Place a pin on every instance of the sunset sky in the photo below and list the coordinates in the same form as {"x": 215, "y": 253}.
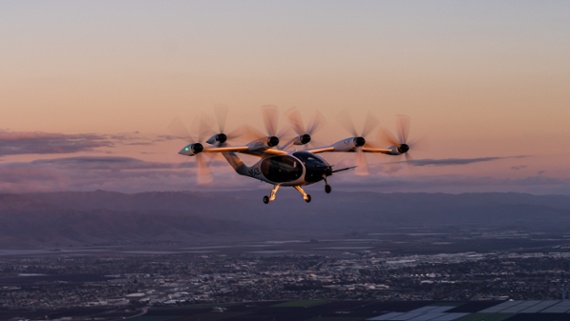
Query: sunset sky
{"x": 88, "y": 89}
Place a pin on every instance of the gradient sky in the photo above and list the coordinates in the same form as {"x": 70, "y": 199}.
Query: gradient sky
{"x": 88, "y": 88}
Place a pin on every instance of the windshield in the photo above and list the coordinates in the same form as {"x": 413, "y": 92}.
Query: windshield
{"x": 310, "y": 160}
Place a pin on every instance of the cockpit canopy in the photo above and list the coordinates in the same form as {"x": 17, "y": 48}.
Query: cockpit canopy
{"x": 287, "y": 168}
{"x": 281, "y": 169}
{"x": 310, "y": 160}
{"x": 317, "y": 168}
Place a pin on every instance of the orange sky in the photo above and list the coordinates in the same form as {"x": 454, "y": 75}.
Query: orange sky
{"x": 480, "y": 80}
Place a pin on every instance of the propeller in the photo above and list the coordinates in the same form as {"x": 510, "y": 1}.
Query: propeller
{"x": 359, "y": 138}
{"x": 269, "y": 114}
{"x": 194, "y": 148}
{"x": 400, "y": 143}
{"x": 220, "y": 135}
{"x": 305, "y": 133}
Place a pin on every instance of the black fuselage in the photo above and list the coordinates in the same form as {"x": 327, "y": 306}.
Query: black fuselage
{"x": 285, "y": 169}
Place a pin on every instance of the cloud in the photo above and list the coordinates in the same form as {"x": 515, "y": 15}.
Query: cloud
{"x": 134, "y": 139}
{"x": 24, "y": 177}
{"x": 452, "y": 184}
{"x": 104, "y": 163}
{"x": 131, "y": 175}
{"x": 19, "y": 143}
{"x": 163, "y": 138}
{"x": 457, "y": 161}
{"x": 122, "y": 174}
{"x": 117, "y": 163}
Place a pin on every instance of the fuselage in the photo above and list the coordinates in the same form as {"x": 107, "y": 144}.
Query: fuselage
{"x": 298, "y": 168}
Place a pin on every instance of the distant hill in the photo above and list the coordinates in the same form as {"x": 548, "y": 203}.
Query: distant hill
{"x": 100, "y": 217}
{"x": 50, "y": 220}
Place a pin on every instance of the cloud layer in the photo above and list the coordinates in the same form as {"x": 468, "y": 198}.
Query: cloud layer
{"x": 78, "y": 172}
{"x": 122, "y": 174}
{"x": 457, "y": 161}
{"x": 130, "y": 175}
{"x": 19, "y": 143}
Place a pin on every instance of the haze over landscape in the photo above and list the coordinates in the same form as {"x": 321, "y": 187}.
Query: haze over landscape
{"x": 72, "y": 219}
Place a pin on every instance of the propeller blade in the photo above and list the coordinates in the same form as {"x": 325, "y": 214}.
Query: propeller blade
{"x": 416, "y": 144}
{"x": 296, "y": 121}
{"x": 283, "y": 133}
{"x": 421, "y": 143}
{"x": 203, "y": 171}
{"x": 316, "y": 123}
{"x": 252, "y": 133}
{"x": 388, "y": 138}
{"x": 179, "y": 130}
{"x": 403, "y": 130}
{"x": 270, "y": 114}
{"x": 203, "y": 129}
{"x": 297, "y": 124}
{"x": 238, "y": 132}
{"x": 221, "y": 112}
{"x": 346, "y": 121}
{"x": 361, "y": 164}
{"x": 177, "y": 127}
{"x": 369, "y": 125}
{"x": 403, "y": 125}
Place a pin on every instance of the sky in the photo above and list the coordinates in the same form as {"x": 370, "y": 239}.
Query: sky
{"x": 88, "y": 89}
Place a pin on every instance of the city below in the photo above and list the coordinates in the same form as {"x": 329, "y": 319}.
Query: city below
{"x": 112, "y": 282}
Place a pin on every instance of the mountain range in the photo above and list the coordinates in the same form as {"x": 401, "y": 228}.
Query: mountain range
{"x": 101, "y": 217}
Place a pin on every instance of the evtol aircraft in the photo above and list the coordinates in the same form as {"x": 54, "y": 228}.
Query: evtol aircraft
{"x": 284, "y": 165}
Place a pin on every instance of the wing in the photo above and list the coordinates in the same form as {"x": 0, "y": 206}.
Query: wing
{"x": 225, "y": 149}
{"x": 272, "y": 151}
{"x": 321, "y": 150}
{"x": 386, "y": 151}
{"x": 245, "y": 150}
{"x": 351, "y": 144}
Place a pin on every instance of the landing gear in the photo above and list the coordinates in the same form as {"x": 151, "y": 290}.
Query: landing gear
{"x": 328, "y": 188}
{"x": 270, "y": 198}
{"x": 267, "y": 199}
{"x": 306, "y": 196}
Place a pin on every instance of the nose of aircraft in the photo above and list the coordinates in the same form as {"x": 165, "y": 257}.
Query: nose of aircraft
{"x": 316, "y": 173}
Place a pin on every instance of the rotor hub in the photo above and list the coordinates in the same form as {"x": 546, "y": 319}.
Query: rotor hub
{"x": 222, "y": 138}
{"x": 197, "y": 148}
{"x": 403, "y": 148}
{"x": 359, "y": 141}
{"x": 273, "y": 141}
{"x": 305, "y": 138}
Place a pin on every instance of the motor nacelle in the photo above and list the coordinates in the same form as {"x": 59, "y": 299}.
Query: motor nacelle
{"x": 273, "y": 141}
{"x": 303, "y": 139}
{"x": 404, "y": 148}
{"x": 263, "y": 143}
{"x": 217, "y": 139}
{"x": 349, "y": 144}
{"x": 191, "y": 149}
